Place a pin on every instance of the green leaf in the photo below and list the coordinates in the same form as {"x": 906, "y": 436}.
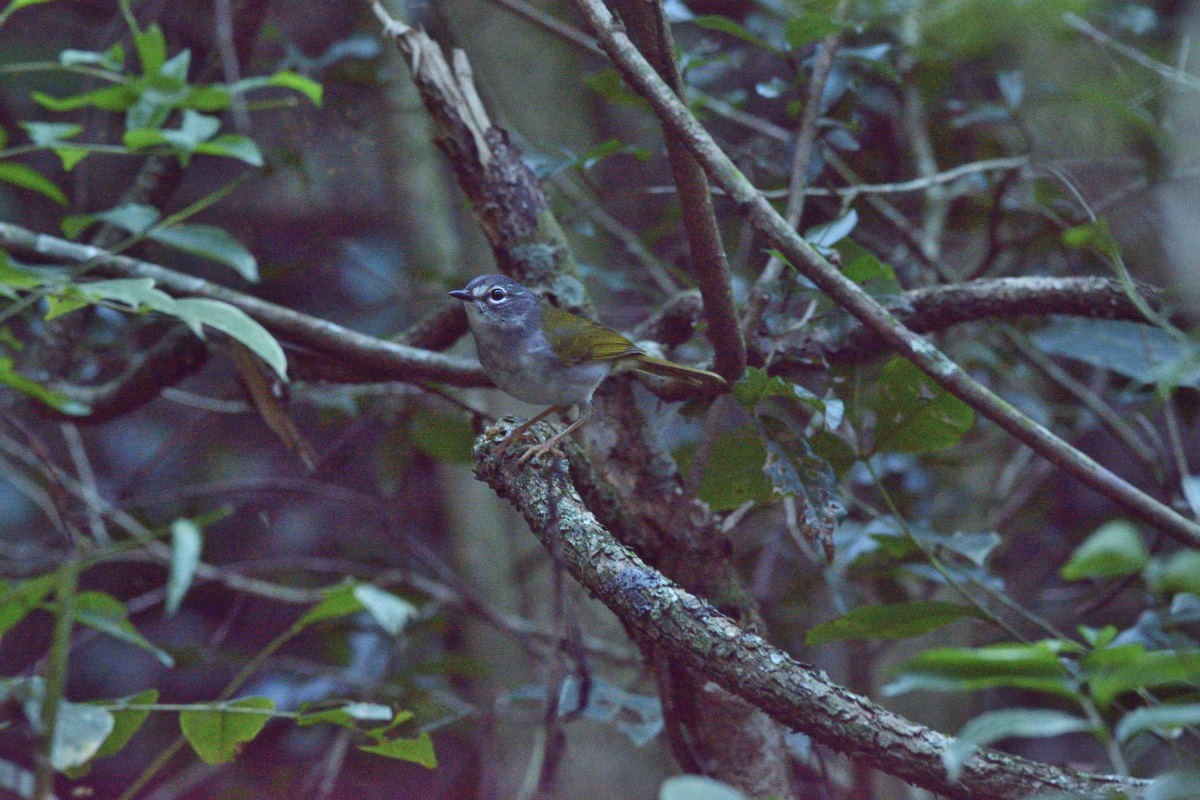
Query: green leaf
{"x": 79, "y": 732}
{"x": 1114, "y": 550}
{"x": 1113, "y": 671}
{"x": 1178, "y": 572}
{"x": 446, "y": 437}
{"x": 914, "y": 414}
{"x": 1164, "y": 720}
{"x": 217, "y": 734}
{"x": 133, "y": 217}
{"x": 734, "y": 473}
{"x": 108, "y": 615}
{"x": 70, "y": 156}
{"x": 1096, "y": 236}
{"x": 79, "y": 728}
{"x": 17, "y": 601}
{"x": 1142, "y": 353}
{"x": 118, "y": 97}
{"x": 756, "y": 386}
{"x": 418, "y": 750}
{"x": 340, "y": 601}
{"x": 893, "y": 621}
{"x": 186, "y": 541}
{"x": 67, "y": 300}
{"x": 209, "y": 242}
{"x": 151, "y": 47}
{"x": 17, "y": 5}
{"x": 1011, "y": 722}
{"x": 391, "y": 612}
{"x": 137, "y": 293}
{"x": 809, "y": 27}
{"x": 29, "y": 178}
{"x": 826, "y": 235}
{"x": 347, "y": 716}
{"x": 17, "y": 276}
{"x": 14, "y": 380}
{"x": 1035, "y": 667}
{"x": 233, "y": 145}
{"x": 126, "y": 722}
{"x": 234, "y": 323}
{"x": 46, "y": 134}
{"x": 112, "y": 59}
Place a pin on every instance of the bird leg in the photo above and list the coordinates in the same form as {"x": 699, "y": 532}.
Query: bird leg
{"x": 551, "y": 444}
{"x": 516, "y": 433}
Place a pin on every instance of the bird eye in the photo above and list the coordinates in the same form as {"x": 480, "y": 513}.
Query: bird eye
{"x": 497, "y": 294}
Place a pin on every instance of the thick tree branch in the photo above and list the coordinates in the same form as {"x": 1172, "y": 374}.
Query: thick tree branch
{"x": 661, "y": 615}
{"x": 759, "y": 212}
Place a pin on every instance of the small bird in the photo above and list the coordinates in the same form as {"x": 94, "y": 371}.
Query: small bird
{"x": 544, "y": 355}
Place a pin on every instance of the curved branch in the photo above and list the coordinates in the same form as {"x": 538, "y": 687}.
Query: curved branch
{"x": 663, "y": 616}
{"x": 759, "y": 212}
{"x": 397, "y": 361}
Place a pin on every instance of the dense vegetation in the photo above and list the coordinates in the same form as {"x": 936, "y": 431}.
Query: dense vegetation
{"x": 941, "y": 531}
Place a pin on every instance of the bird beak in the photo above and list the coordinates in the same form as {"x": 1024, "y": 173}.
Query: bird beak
{"x": 461, "y": 294}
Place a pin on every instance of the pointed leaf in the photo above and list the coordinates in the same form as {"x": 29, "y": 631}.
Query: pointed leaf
{"x": 418, "y": 750}
{"x": 340, "y": 601}
{"x": 1164, "y": 719}
{"x": 953, "y": 669}
{"x": 217, "y": 734}
{"x": 45, "y": 134}
{"x": 894, "y": 621}
{"x": 133, "y": 217}
{"x": 209, "y": 241}
{"x": 1009, "y": 723}
{"x": 14, "y": 380}
{"x": 126, "y": 721}
{"x": 1114, "y": 550}
{"x": 233, "y": 145}
{"x": 107, "y": 614}
{"x": 29, "y": 178}
{"x": 391, "y": 612}
{"x": 18, "y": 600}
{"x": 914, "y": 414}
{"x": 111, "y": 98}
{"x": 186, "y": 541}
{"x": 235, "y": 323}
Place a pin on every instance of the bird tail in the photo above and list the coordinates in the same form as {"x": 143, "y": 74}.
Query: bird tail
{"x": 690, "y": 375}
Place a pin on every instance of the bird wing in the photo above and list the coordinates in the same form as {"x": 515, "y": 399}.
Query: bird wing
{"x": 577, "y": 340}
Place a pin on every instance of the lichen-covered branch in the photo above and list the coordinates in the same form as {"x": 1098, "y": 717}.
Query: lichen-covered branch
{"x": 662, "y": 616}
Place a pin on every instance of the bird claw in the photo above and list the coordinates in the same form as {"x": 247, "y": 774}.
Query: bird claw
{"x": 535, "y": 450}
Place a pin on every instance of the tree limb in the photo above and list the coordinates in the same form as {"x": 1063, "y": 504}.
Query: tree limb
{"x": 661, "y": 615}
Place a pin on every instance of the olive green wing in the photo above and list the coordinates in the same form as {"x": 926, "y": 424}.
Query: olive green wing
{"x": 577, "y": 340}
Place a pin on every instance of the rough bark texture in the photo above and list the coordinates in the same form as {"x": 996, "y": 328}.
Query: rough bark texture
{"x": 663, "y": 616}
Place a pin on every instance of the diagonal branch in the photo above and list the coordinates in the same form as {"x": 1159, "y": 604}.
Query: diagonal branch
{"x": 660, "y": 615}
{"x": 648, "y": 26}
{"x": 759, "y": 212}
